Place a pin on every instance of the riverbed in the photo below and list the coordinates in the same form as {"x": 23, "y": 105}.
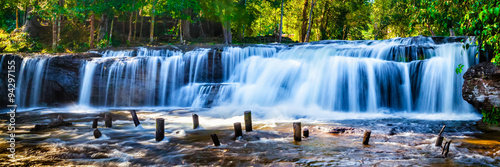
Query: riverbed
{"x": 395, "y": 140}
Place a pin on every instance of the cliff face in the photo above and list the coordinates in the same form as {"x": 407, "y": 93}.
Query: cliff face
{"x": 481, "y": 87}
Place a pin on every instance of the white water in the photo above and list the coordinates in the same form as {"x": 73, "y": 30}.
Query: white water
{"x": 401, "y": 75}
{"x": 30, "y": 81}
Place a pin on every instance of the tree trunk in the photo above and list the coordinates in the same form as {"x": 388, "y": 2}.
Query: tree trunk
{"x": 59, "y": 29}
{"x": 130, "y": 27}
{"x": 25, "y": 13}
{"x": 103, "y": 27}
{"x": 61, "y": 4}
{"x": 180, "y": 32}
{"x": 54, "y": 33}
{"x": 186, "y": 29}
{"x": 226, "y": 29}
{"x": 324, "y": 21}
{"x": 310, "y": 21}
{"x": 135, "y": 25}
{"x": 281, "y": 23}
{"x": 202, "y": 33}
{"x": 304, "y": 22}
{"x": 151, "y": 35}
{"x": 429, "y": 28}
{"x": 142, "y": 18}
{"x": 111, "y": 30}
{"x": 17, "y": 18}
{"x": 92, "y": 19}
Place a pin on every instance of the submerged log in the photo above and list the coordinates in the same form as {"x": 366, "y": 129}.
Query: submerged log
{"x": 215, "y": 139}
{"x": 338, "y": 130}
{"x": 237, "y": 130}
{"x": 366, "y": 137}
{"x": 196, "y": 122}
{"x": 134, "y": 117}
{"x": 248, "y": 121}
{"x": 297, "y": 130}
{"x": 57, "y": 123}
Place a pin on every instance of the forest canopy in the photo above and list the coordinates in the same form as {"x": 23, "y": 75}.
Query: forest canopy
{"x": 78, "y": 25}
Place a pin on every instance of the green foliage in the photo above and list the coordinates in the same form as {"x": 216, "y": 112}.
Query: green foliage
{"x": 482, "y": 19}
{"x": 103, "y": 43}
{"x": 492, "y": 117}
{"x": 459, "y": 69}
{"x": 331, "y": 19}
{"x": 18, "y": 42}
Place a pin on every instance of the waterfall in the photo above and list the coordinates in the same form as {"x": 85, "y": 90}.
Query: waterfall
{"x": 86, "y": 86}
{"x": 408, "y": 75}
{"x": 30, "y": 81}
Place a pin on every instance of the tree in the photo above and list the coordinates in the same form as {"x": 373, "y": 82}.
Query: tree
{"x": 304, "y": 22}
{"x": 310, "y": 20}
{"x": 281, "y": 22}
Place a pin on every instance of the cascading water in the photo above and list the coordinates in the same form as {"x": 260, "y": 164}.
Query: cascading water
{"x": 30, "y": 81}
{"x": 401, "y": 74}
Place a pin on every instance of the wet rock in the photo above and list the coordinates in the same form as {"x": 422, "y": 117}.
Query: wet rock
{"x": 481, "y": 86}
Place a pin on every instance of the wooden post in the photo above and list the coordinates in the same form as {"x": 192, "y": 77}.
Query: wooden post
{"x": 248, "y": 121}
{"x": 297, "y": 130}
{"x": 439, "y": 141}
{"x": 97, "y": 133}
{"x": 94, "y": 124}
{"x": 237, "y": 130}
{"x": 134, "y": 117}
{"x": 306, "y": 132}
{"x": 215, "y": 139}
{"x": 108, "y": 121}
{"x": 160, "y": 129}
{"x": 366, "y": 137}
{"x": 447, "y": 148}
{"x": 440, "y": 138}
{"x": 196, "y": 122}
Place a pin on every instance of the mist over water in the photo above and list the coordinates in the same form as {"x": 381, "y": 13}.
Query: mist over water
{"x": 400, "y": 77}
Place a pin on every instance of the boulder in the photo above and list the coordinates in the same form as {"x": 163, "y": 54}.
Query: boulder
{"x": 481, "y": 86}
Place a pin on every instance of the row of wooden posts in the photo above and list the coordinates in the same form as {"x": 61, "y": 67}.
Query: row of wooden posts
{"x": 297, "y": 130}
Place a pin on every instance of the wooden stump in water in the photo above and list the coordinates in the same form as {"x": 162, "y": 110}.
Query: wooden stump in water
{"x": 97, "y": 133}
{"x": 108, "y": 121}
{"x": 237, "y": 130}
{"x": 215, "y": 139}
{"x": 366, "y": 137}
{"x": 306, "y": 132}
{"x": 134, "y": 117}
{"x": 440, "y": 138}
{"x": 160, "y": 129}
{"x": 196, "y": 122}
{"x": 94, "y": 124}
{"x": 248, "y": 121}
{"x": 297, "y": 130}
{"x": 447, "y": 145}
